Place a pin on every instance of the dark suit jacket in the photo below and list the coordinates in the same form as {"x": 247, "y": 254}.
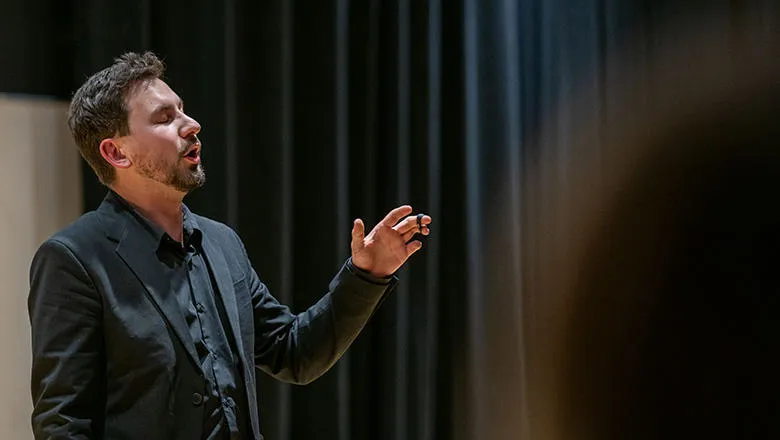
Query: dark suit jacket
{"x": 112, "y": 356}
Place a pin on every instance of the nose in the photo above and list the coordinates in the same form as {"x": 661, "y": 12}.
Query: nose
{"x": 191, "y": 127}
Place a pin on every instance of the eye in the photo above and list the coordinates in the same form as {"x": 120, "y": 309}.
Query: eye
{"x": 165, "y": 118}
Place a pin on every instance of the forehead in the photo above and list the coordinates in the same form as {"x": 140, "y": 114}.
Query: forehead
{"x": 148, "y": 96}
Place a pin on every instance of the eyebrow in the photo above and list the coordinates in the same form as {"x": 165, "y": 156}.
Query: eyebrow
{"x": 167, "y": 106}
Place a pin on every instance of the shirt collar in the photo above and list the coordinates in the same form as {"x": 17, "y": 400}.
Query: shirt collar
{"x": 192, "y": 232}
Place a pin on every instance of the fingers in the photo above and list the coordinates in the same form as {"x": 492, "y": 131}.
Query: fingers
{"x": 358, "y": 233}
{"x": 411, "y": 233}
{"x": 395, "y": 215}
{"x": 412, "y": 247}
{"x": 410, "y": 224}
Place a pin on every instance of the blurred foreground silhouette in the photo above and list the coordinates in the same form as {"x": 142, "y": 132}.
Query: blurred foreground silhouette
{"x": 655, "y": 309}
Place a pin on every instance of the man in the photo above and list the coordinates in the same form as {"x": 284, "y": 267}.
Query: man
{"x": 147, "y": 319}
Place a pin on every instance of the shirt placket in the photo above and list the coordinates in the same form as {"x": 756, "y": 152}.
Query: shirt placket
{"x": 227, "y": 403}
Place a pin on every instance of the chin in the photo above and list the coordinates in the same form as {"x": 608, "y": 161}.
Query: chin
{"x": 188, "y": 183}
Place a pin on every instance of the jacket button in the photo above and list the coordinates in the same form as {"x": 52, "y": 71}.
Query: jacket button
{"x": 197, "y": 399}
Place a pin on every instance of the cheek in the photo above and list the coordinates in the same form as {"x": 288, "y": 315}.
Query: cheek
{"x": 164, "y": 135}
{"x": 158, "y": 147}
{"x": 154, "y": 159}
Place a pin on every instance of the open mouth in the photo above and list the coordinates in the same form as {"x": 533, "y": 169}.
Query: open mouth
{"x": 193, "y": 155}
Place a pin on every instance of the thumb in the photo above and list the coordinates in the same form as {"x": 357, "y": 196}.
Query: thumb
{"x": 358, "y": 233}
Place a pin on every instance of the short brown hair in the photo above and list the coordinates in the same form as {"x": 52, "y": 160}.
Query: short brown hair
{"x": 98, "y": 109}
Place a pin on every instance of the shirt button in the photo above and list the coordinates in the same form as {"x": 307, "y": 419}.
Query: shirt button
{"x": 197, "y": 399}
{"x": 199, "y": 307}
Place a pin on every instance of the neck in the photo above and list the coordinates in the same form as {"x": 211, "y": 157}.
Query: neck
{"x": 162, "y": 206}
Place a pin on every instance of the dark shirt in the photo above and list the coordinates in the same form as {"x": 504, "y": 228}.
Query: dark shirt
{"x": 193, "y": 284}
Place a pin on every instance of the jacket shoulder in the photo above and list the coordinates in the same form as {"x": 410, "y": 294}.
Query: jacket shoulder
{"x": 222, "y": 236}
{"x": 215, "y": 227}
{"x": 79, "y": 233}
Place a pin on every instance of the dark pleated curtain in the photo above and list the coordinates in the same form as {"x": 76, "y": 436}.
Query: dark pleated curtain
{"x": 315, "y": 113}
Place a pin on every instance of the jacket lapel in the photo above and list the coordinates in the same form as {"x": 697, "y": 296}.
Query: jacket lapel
{"x": 226, "y": 293}
{"x": 137, "y": 249}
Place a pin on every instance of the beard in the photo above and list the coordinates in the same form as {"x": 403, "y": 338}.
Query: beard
{"x": 173, "y": 174}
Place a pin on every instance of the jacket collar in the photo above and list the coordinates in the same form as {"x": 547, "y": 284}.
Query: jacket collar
{"x": 116, "y": 213}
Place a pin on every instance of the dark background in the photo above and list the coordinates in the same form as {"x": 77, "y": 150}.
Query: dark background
{"x": 315, "y": 113}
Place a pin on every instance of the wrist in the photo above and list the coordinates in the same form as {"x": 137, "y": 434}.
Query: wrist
{"x": 367, "y": 274}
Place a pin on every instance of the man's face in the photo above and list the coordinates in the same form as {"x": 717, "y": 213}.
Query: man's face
{"x": 163, "y": 144}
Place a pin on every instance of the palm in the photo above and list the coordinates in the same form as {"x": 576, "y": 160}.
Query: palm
{"x": 386, "y": 248}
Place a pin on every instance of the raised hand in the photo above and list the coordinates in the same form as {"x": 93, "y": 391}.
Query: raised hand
{"x": 387, "y": 247}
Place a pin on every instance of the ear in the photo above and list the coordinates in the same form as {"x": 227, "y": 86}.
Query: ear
{"x": 113, "y": 154}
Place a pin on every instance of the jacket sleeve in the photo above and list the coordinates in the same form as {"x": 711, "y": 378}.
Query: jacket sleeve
{"x": 67, "y": 347}
{"x": 300, "y": 348}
